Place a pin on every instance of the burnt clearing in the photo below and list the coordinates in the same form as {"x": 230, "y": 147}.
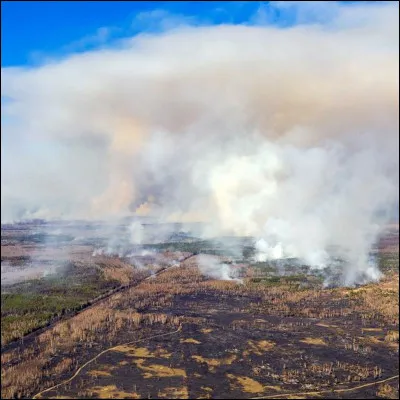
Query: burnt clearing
{"x": 235, "y": 340}
{"x": 184, "y": 335}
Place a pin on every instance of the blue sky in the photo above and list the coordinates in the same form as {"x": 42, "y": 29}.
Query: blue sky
{"x": 46, "y": 27}
{"x": 31, "y": 30}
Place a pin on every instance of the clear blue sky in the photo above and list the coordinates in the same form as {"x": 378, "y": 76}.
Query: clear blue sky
{"x": 33, "y": 26}
{"x": 30, "y": 28}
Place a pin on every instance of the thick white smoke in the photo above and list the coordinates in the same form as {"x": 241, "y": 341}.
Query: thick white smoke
{"x": 211, "y": 266}
{"x": 289, "y": 135}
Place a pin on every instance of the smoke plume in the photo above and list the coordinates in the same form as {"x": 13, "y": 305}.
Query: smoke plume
{"x": 289, "y": 135}
{"x": 214, "y": 268}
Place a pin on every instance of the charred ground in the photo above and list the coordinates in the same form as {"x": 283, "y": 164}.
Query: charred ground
{"x": 184, "y": 335}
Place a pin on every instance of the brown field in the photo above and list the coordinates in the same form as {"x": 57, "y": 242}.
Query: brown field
{"x": 183, "y": 335}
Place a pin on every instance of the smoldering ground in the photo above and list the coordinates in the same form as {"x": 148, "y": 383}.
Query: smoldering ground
{"x": 289, "y": 135}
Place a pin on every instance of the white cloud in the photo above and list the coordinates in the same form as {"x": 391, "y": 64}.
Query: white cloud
{"x": 160, "y": 20}
{"x": 100, "y": 37}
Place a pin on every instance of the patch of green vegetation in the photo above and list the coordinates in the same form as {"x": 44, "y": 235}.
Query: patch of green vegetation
{"x": 15, "y": 302}
{"x": 23, "y": 312}
{"x": 268, "y": 281}
{"x": 295, "y": 278}
{"x": 202, "y": 246}
{"x": 30, "y": 305}
{"x": 264, "y": 268}
{"x": 216, "y": 247}
{"x": 297, "y": 282}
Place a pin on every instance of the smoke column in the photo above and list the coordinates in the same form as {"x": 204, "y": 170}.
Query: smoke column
{"x": 289, "y": 135}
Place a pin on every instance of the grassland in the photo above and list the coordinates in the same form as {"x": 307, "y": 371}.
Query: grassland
{"x": 35, "y": 303}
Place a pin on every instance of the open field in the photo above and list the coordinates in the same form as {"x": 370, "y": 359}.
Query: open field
{"x": 181, "y": 334}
